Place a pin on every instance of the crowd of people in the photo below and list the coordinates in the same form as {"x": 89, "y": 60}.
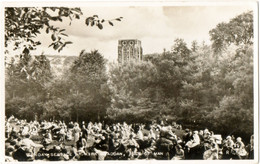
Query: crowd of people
{"x": 58, "y": 141}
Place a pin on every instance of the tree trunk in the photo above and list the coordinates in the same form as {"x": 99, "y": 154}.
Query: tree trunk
{"x": 98, "y": 116}
{"x": 77, "y": 92}
{"x": 77, "y": 115}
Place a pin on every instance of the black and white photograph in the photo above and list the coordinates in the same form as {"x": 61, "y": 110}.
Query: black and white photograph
{"x": 151, "y": 81}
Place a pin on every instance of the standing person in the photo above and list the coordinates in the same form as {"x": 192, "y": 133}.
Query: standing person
{"x": 201, "y": 134}
{"x": 8, "y": 129}
{"x": 84, "y": 130}
{"x": 139, "y": 134}
{"x": 62, "y": 134}
{"x": 81, "y": 143}
{"x": 69, "y": 135}
{"x": 77, "y": 131}
{"x": 140, "y": 137}
{"x": 251, "y": 148}
{"x": 151, "y": 134}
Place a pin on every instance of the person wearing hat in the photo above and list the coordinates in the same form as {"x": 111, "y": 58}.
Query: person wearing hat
{"x": 239, "y": 148}
{"x": 206, "y": 136}
{"x": 227, "y": 147}
{"x": 229, "y": 142}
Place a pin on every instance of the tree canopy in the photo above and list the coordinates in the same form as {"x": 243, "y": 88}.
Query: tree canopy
{"x": 238, "y": 31}
{"x": 23, "y": 24}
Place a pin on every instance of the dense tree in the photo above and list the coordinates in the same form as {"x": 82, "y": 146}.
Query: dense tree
{"x": 29, "y": 74}
{"x": 134, "y": 90}
{"x": 194, "y": 46}
{"x": 238, "y": 31}
{"x": 180, "y": 47}
{"x": 235, "y": 108}
{"x": 88, "y": 81}
{"x": 26, "y": 81}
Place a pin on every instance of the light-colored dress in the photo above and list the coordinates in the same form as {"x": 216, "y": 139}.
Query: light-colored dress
{"x": 240, "y": 149}
{"x": 212, "y": 152}
{"x": 69, "y": 135}
{"x": 76, "y": 133}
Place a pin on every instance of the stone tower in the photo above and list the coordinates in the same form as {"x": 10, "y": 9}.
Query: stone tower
{"x": 129, "y": 49}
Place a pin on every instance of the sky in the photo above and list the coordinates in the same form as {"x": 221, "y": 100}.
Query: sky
{"x": 155, "y": 26}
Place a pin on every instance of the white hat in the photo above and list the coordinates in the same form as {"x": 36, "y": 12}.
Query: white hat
{"x": 228, "y": 137}
{"x": 239, "y": 139}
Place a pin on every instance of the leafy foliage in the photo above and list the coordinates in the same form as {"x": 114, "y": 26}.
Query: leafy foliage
{"x": 26, "y": 81}
{"x": 88, "y": 79}
{"x": 23, "y": 24}
{"x": 238, "y": 30}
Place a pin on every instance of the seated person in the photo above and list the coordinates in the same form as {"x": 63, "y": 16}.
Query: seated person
{"x": 179, "y": 153}
{"x": 48, "y": 137}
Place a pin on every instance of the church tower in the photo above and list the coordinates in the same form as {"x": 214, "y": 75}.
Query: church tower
{"x": 129, "y": 49}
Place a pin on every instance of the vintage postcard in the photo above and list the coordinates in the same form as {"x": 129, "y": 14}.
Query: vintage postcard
{"x": 129, "y": 81}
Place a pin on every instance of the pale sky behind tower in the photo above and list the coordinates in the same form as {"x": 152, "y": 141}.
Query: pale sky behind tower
{"x": 156, "y": 26}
